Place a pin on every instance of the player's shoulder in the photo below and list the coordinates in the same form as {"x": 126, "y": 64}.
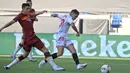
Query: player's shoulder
{"x": 68, "y": 16}
{"x": 19, "y": 15}
{"x": 65, "y": 16}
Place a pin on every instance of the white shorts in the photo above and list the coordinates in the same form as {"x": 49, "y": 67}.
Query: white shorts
{"x": 62, "y": 40}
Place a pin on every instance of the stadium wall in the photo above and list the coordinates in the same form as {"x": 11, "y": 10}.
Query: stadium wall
{"x": 67, "y": 5}
{"x": 86, "y": 45}
{"x": 49, "y": 25}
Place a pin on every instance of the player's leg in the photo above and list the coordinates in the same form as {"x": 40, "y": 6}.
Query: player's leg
{"x": 108, "y": 71}
{"x": 17, "y": 60}
{"x": 39, "y": 45}
{"x": 60, "y": 43}
{"x": 54, "y": 55}
{"x": 49, "y": 59}
{"x": 31, "y": 56}
{"x": 13, "y": 55}
{"x": 72, "y": 49}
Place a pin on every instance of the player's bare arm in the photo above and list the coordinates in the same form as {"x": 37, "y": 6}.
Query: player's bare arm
{"x": 44, "y": 11}
{"x": 7, "y": 25}
{"x": 54, "y": 15}
{"x": 75, "y": 29}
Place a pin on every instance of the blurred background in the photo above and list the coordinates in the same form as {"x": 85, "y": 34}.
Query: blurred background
{"x": 92, "y": 14}
{"x": 104, "y": 26}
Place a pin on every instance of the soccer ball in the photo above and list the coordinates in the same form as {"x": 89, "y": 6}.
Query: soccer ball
{"x": 105, "y": 68}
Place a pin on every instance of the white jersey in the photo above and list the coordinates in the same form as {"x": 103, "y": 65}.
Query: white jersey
{"x": 66, "y": 21}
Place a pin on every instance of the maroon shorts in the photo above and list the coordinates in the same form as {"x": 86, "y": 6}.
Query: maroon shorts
{"x": 33, "y": 42}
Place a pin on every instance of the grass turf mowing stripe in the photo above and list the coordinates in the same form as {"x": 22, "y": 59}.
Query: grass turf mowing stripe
{"x": 108, "y": 58}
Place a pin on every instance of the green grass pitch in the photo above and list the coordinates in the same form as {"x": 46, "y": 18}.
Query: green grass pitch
{"x": 94, "y": 64}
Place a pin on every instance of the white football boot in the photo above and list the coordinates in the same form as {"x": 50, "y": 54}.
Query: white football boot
{"x": 81, "y": 66}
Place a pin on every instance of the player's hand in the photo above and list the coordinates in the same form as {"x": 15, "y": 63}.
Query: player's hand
{"x": 78, "y": 34}
{"x": 44, "y": 11}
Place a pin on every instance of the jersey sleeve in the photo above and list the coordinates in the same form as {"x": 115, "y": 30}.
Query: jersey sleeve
{"x": 17, "y": 18}
{"x": 70, "y": 21}
{"x": 60, "y": 16}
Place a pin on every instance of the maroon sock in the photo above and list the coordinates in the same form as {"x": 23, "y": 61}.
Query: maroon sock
{"x": 21, "y": 58}
{"x": 47, "y": 54}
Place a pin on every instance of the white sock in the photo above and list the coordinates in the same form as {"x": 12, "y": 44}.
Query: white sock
{"x": 30, "y": 55}
{"x": 13, "y": 62}
{"x": 16, "y": 50}
{"x": 51, "y": 62}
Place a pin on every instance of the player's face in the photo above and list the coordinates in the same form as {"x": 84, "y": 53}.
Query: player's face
{"x": 74, "y": 15}
{"x": 26, "y": 9}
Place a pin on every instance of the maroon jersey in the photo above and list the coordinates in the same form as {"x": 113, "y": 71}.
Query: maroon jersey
{"x": 31, "y": 12}
{"x": 26, "y": 24}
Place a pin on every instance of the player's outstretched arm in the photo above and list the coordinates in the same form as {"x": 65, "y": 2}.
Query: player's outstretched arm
{"x": 75, "y": 29}
{"x": 7, "y": 25}
{"x": 57, "y": 15}
{"x": 36, "y": 14}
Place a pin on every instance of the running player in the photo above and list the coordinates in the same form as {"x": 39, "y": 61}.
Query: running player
{"x": 30, "y": 39}
{"x": 13, "y": 55}
{"x": 61, "y": 37}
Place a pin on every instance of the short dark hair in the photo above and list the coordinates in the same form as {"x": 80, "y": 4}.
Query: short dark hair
{"x": 24, "y": 5}
{"x": 75, "y": 11}
{"x": 29, "y": 1}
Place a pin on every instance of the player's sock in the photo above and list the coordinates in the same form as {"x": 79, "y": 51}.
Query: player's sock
{"x": 51, "y": 62}
{"x": 75, "y": 58}
{"x": 21, "y": 58}
{"x": 13, "y": 62}
{"x": 50, "y": 59}
{"x": 54, "y": 55}
{"x": 16, "y": 61}
{"x": 17, "y": 49}
{"x": 30, "y": 55}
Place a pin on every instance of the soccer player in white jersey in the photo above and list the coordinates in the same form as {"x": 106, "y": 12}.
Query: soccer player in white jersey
{"x": 61, "y": 37}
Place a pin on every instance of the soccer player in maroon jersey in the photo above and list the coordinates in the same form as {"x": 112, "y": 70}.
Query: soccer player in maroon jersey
{"x": 13, "y": 55}
{"x": 30, "y": 39}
